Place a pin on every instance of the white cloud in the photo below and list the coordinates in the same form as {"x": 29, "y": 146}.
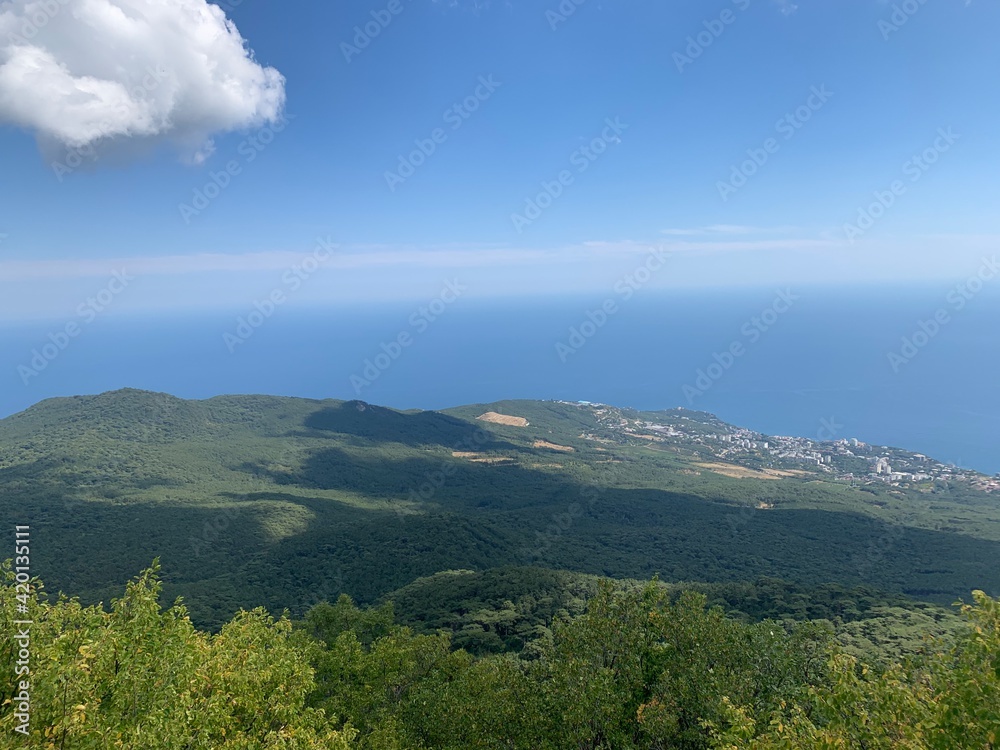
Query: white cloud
{"x": 126, "y": 74}
{"x": 50, "y": 288}
{"x": 379, "y": 257}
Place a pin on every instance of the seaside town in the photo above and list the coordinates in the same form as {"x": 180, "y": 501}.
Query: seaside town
{"x": 838, "y": 458}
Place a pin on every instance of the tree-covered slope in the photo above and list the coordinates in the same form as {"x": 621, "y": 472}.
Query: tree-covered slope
{"x": 640, "y": 667}
{"x": 256, "y": 500}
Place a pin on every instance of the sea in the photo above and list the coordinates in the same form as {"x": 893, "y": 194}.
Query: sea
{"x": 909, "y": 367}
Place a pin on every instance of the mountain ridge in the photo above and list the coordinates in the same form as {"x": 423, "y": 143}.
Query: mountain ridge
{"x": 286, "y": 501}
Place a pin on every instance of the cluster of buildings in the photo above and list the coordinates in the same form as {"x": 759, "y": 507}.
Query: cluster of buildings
{"x": 843, "y": 459}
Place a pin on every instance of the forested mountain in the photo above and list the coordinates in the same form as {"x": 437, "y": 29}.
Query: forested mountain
{"x": 279, "y": 502}
{"x": 537, "y": 575}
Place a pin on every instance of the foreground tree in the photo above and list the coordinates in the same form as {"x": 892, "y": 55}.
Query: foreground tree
{"x": 142, "y": 677}
{"x": 639, "y": 670}
{"x": 635, "y": 672}
{"x": 949, "y": 700}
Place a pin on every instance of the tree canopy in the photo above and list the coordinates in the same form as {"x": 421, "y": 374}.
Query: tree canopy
{"x": 640, "y": 668}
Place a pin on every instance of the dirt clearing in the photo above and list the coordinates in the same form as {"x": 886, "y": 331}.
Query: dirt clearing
{"x": 492, "y": 416}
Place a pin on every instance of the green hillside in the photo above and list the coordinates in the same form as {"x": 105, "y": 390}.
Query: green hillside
{"x": 515, "y": 609}
{"x": 281, "y": 502}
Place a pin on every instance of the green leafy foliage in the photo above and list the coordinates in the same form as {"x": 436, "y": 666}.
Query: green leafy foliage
{"x": 948, "y": 699}
{"x": 139, "y": 676}
{"x": 635, "y": 670}
{"x": 512, "y": 608}
{"x": 640, "y": 668}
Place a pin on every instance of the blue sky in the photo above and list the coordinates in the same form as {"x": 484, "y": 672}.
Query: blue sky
{"x": 890, "y": 94}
